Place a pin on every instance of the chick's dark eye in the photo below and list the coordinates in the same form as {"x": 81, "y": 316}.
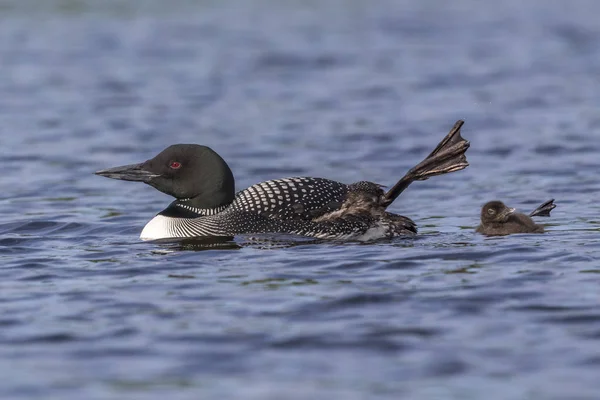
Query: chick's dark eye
{"x": 175, "y": 165}
{"x": 491, "y": 211}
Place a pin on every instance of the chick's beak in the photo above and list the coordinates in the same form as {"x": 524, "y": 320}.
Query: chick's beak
{"x": 507, "y": 213}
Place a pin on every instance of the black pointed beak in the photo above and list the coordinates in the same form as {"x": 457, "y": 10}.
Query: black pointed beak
{"x": 133, "y": 172}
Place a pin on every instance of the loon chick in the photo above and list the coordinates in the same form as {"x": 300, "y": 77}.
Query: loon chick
{"x": 498, "y": 220}
{"x": 206, "y": 203}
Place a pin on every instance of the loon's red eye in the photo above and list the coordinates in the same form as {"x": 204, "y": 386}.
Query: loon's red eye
{"x": 175, "y": 165}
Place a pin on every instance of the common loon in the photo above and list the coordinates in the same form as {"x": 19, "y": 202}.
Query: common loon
{"x": 206, "y": 203}
{"x": 498, "y": 220}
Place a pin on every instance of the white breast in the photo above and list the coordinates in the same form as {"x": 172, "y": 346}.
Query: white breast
{"x": 159, "y": 227}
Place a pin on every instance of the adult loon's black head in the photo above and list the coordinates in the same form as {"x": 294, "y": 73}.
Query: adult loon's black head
{"x": 189, "y": 172}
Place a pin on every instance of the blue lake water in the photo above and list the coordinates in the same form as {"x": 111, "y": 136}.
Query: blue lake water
{"x": 347, "y": 90}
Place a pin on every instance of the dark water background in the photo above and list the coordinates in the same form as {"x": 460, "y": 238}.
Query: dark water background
{"x": 349, "y": 90}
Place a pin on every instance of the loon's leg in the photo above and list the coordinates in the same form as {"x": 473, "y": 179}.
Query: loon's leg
{"x": 544, "y": 209}
{"x": 448, "y": 156}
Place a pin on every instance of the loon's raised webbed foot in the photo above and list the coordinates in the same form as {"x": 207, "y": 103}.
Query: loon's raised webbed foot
{"x": 448, "y": 156}
{"x": 544, "y": 209}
